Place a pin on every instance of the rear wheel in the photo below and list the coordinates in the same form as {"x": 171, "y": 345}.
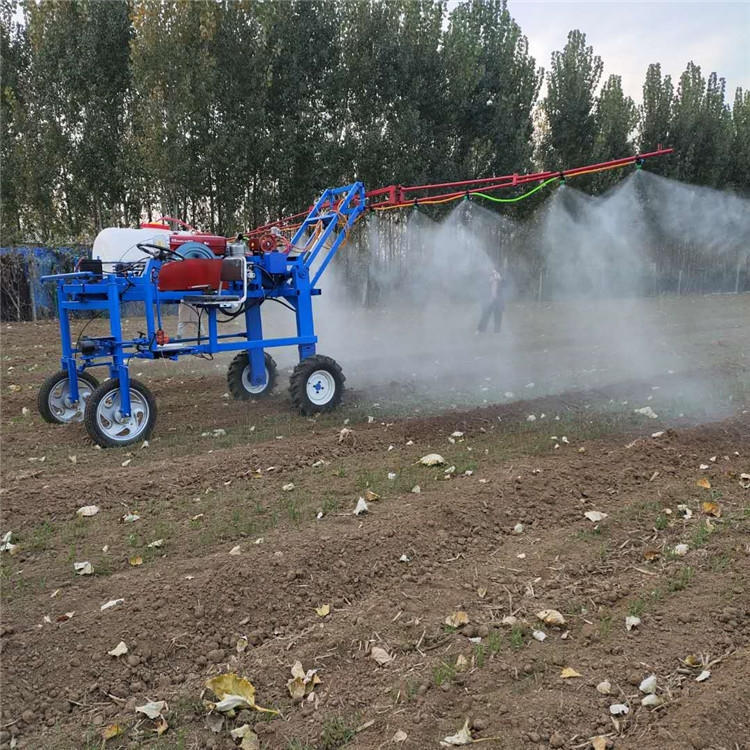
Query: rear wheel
{"x": 108, "y": 426}
{"x": 317, "y": 385}
{"x": 239, "y": 378}
{"x": 54, "y": 401}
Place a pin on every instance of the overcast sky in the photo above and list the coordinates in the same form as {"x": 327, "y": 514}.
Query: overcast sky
{"x": 630, "y": 35}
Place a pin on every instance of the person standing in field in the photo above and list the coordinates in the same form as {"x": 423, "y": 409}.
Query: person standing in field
{"x": 495, "y": 304}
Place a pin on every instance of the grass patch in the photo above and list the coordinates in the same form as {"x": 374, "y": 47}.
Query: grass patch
{"x": 701, "y": 535}
{"x": 337, "y": 732}
{"x": 443, "y": 672}
{"x": 494, "y": 641}
{"x": 681, "y": 580}
{"x": 516, "y": 637}
{"x": 479, "y": 655}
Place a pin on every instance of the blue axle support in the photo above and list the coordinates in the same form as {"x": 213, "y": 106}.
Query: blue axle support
{"x": 291, "y": 278}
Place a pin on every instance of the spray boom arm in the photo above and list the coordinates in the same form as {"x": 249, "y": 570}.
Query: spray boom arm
{"x": 398, "y": 196}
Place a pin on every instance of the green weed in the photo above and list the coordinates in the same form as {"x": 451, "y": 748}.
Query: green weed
{"x": 516, "y": 637}
{"x": 337, "y": 733}
{"x": 443, "y": 672}
{"x": 681, "y": 580}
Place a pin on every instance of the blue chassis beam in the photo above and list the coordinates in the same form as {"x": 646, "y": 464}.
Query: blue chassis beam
{"x": 277, "y": 276}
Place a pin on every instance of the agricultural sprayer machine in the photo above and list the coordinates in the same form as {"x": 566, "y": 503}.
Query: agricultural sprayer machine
{"x": 222, "y": 280}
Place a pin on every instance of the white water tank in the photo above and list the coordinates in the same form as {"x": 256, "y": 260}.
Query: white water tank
{"x": 115, "y": 245}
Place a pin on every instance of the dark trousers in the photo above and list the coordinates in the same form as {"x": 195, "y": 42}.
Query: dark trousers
{"x": 493, "y": 307}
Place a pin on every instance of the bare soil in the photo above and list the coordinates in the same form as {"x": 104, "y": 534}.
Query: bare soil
{"x": 212, "y": 478}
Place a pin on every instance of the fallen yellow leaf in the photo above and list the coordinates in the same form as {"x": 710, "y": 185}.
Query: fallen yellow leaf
{"x": 481, "y": 592}
{"x": 457, "y": 619}
{"x": 703, "y": 482}
{"x": 692, "y": 660}
{"x": 370, "y": 496}
{"x": 651, "y": 554}
{"x": 234, "y": 692}
{"x": 462, "y": 663}
{"x": 113, "y": 730}
{"x": 323, "y": 610}
{"x": 161, "y": 726}
{"x": 599, "y": 743}
{"x": 711, "y": 508}
{"x": 569, "y": 672}
{"x": 135, "y": 561}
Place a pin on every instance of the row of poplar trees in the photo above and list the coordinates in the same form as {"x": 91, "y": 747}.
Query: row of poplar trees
{"x": 230, "y": 112}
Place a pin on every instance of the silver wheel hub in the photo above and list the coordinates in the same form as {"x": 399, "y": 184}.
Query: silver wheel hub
{"x": 116, "y": 425}
{"x": 247, "y": 383}
{"x": 320, "y": 387}
{"x": 62, "y": 407}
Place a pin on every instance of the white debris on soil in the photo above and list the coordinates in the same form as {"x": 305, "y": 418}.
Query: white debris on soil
{"x": 648, "y": 685}
{"x": 632, "y": 622}
{"x": 619, "y": 709}
{"x": 595, "y": 516}
{"x": 361, "y": 507}
{"x": 647, "y": 411}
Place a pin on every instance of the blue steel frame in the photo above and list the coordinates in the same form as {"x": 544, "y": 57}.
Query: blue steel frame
{"x": 290, "y": 277}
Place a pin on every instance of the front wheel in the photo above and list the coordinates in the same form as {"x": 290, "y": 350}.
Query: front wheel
{"x": 54, "y": 401}
{"x": 239, "y": 377}
{"x": 316, "y": 385}
{"x": 108, "y": 426}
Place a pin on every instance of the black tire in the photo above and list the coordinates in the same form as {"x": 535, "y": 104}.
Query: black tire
{"x": 48, "y": 412}
{"x": 142, "y": 402}
{"x": 332, "y": 392}
{"x": 238, "y": 376}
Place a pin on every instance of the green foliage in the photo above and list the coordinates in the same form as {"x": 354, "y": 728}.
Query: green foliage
{"x": 569, "y": 107}
{"x": 229, "y": 113}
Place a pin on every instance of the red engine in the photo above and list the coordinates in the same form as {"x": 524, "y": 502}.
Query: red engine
{"x": 218, "y": 245}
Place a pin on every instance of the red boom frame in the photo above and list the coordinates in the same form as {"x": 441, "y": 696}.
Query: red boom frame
{"x": 396, "y": 196}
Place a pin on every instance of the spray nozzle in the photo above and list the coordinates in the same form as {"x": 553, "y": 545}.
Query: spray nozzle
{"x": 467, "y": 196}
{"x": 561, "y": 177}
{"x": 639, "y": 162}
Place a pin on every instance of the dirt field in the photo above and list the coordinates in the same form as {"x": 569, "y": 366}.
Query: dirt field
{"x": 243, "y": 559}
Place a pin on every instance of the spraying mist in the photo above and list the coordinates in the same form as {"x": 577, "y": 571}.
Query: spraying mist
{"x": 599, "y": 290}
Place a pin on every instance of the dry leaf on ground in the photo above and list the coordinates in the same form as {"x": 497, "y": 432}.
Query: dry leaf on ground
{"x": 234, "y": 692}
{"x": 462, "y": 737}
{"x": 711, "y": 508}
{"x": 323, "y": 610}
{"x": 302, "y": 683}
{"x": 551, "y": 617}
{"x": 380, "y": 655}
{"x": 568, "y": 673}
{"x": 152, "y": 709}
{"x": 595, "y": 516}
{"x": 111, "y": 731}
{"x": 457, "y": 619}
{"x": 432, "y": 459}
{"x": 83, "y": 568}
{"x": 87, "y": 510}
{"x": 120, "y": 649}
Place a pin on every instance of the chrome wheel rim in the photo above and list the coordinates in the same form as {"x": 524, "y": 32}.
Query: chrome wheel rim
{"x": 114, "y": 424}
{"x": 62, "y": 408}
